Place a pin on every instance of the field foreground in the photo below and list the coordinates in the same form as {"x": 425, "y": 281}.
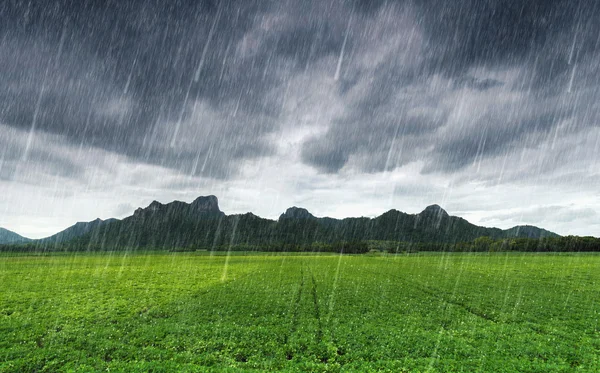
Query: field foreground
{"x": 199, "y": 312}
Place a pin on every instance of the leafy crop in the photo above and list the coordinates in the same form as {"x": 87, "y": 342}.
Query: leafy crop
{"x": 198, "y": 312}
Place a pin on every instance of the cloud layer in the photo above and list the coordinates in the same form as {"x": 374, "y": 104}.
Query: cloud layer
{"x": 290, "y": 96}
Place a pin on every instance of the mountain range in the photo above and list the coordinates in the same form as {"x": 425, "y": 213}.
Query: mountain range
{"x": 201, "y": 224}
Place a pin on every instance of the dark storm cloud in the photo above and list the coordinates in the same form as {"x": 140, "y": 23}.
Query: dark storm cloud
{"x": 536, "y": 62}
{"x": 475, "y": 31}
{"x": 479, "y": 84}
{"x": 125, "y": 76}
{"x": 196, "y": 85}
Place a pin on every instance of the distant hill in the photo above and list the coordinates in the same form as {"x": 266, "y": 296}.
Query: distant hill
{"x": 74, "y": 231}
{"x": 201, "y": 224}
{"x": 528, "y": 231}
{"x": 8, "y": 237}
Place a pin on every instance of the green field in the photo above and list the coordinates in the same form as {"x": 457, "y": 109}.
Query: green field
{"x": 195, "y": 312}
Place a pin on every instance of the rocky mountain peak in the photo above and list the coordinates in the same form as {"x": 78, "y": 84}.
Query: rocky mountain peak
{"x": 436, "y": 210}
{"x": 296, "y": 213}
{"x": 206, "y": 204}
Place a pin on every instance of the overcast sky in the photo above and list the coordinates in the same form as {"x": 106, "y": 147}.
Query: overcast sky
{"x": 490, "y": 109}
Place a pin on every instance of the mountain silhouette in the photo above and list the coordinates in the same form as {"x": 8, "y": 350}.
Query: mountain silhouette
{"x": 9, "y": 237}
{"x": 202, "y": 224}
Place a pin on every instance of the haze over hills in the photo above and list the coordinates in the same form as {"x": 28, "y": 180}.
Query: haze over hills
{"x": 76, "y": 230}
{"x": 202, "y": 224}
{"x": 8, "y": 237}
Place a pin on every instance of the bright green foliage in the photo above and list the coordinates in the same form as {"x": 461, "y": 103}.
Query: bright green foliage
{"x": 196, "y": 312}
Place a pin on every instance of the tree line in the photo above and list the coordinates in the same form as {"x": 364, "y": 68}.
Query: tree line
{"x": 481, "y": 244}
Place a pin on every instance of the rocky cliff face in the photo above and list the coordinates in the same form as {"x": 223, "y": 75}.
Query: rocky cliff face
{"x": 201, "y": 207}
{"x": 296, "y": 213}
{"x": 208, "y": 204}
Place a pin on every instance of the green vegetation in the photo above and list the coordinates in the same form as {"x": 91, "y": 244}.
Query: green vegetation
{"x": 480, "y": 244}
{"x": 487, "y": 244}
{"x": 194, "y": 312}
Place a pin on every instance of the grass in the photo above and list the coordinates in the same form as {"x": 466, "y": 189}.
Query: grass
{"x": 195, "y": 312}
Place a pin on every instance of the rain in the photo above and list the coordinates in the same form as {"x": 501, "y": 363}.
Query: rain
{"x": 340, "y": 185}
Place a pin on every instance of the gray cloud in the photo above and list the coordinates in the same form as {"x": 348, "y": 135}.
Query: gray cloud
{"x": 533, "y": 84}
{"x": 44, "y": 157}
{"x": 556, "y": 215}
{"x": 560, "y": 213}
{"x": 129, "y": 78}
{"x": 126, "y": 78}
{"x": 124, "y": 209}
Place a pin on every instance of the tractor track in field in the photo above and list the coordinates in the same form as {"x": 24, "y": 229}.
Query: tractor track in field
{"x": 298, "y": 299}
{"x": 439, "y": 295}
{"x": 296, "y": 308}
{"x": 317, "y": 312}
{"x": 305, "y": 271}
{"x": 463, "y": 305}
